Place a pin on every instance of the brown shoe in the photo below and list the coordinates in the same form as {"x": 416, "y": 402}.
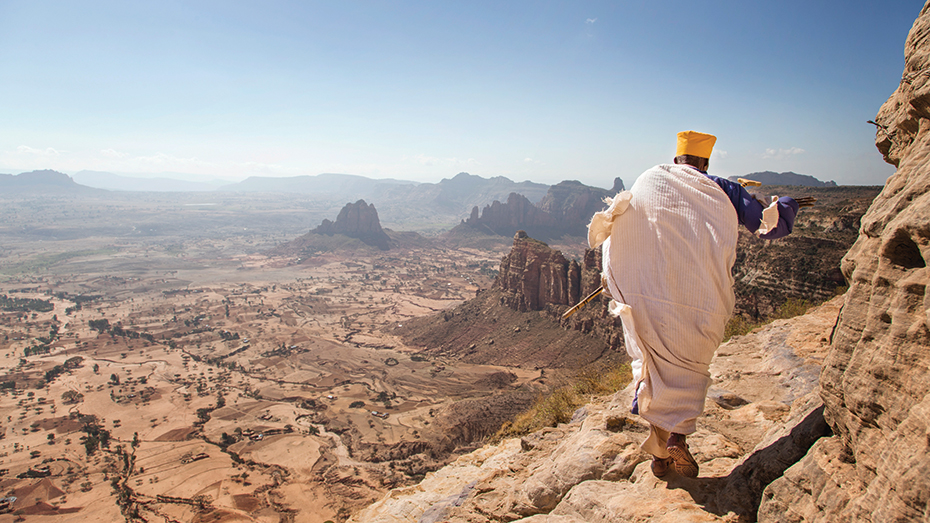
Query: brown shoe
{"x": 660, "y": 466}
{"x": 684, "y": 461}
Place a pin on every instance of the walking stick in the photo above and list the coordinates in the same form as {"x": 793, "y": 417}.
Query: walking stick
{"x": 583, "y": 302}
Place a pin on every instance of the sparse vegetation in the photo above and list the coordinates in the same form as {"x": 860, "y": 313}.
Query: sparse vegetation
{"x": 739, "y": 326}
{"x": 559, "y": 405}
{"x": 24, "y": 304}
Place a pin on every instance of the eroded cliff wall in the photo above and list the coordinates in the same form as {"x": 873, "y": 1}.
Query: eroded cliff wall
{"x": 876, "y": 377}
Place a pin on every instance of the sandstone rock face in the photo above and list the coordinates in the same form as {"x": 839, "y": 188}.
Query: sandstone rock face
{"x": 357, "y": 220}
{"x": 764, "y": 414}
{"x": 535, "y": 275}
{"x": 876, "y": 379}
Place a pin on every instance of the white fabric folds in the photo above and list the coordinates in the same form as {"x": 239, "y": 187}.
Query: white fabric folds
{"x": 769, "y": 218}
{"x": 601, "y": 222}
{"x": 667, "y": 262}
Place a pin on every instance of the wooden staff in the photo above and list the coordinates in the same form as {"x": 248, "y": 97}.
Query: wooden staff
{"x": 583, "y": 302}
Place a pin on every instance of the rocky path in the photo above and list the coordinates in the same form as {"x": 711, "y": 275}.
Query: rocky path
{"x": 762, "y": 415}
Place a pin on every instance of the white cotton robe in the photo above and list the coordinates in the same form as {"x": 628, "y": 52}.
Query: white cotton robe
{"x": 667, "y": 266}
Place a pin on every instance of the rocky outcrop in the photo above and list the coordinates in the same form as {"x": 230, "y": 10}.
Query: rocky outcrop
{"x": 533, "y": 276}
{"x": 357, "y": 220}
{"x": 764, "y": 413}
{"x": 876, "y": 378}
{"x": 565, "y": 210}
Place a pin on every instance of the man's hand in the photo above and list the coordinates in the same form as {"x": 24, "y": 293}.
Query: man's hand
{"x": 806, "y": 201}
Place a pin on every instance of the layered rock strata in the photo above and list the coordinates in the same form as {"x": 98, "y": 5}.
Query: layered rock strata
{"x": 535, "y": 277}
{"x": 876, "y": 378}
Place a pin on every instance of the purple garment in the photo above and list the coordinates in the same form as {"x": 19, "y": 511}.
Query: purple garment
{"x": 749, "y": 210}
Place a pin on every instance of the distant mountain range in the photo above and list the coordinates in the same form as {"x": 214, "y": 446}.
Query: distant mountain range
{"x": 45, "y": 182}
{"x": 431, "y": 208}
{"x": 116, "y": 182}
{"x": 786, "y": 178}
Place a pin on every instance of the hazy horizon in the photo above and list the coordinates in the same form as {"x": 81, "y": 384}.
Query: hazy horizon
{"x": 421, "y": 91}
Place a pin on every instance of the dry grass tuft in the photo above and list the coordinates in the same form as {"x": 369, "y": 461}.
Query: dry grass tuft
{"x": 738, "y": 326}
{"x": 561, "y": 403}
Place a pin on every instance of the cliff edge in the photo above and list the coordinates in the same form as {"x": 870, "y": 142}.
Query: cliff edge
{"x": 876, "y": 378}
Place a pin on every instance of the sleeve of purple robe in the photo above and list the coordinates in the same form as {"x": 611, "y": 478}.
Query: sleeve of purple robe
{"x": 749, "y": 210}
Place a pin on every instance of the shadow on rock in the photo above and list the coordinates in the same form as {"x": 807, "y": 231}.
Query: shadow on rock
{"x": 741, "y": 492}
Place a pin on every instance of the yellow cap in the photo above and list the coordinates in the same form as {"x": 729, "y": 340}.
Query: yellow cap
{"x": 695, "y": 144}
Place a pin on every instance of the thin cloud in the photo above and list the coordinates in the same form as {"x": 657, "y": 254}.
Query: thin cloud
{"x": 48, "y": 152}
{"x": 780, "y": 154}
{"x": 113, "y": 153}
{"x": 590, "y": 20}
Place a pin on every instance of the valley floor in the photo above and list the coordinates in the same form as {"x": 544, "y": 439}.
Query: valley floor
{"x": 238, "y": 389}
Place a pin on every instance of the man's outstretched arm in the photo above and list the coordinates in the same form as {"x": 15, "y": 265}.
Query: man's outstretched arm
{"x": 749, "y": 209}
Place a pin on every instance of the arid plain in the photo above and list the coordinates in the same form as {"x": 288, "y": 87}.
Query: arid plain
{"x": 182, "y": 375}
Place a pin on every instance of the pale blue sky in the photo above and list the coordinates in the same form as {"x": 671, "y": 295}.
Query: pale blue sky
{"x": 422, "y": 90}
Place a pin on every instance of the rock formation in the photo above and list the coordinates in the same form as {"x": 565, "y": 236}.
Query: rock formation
{"x": 572, "y": 204}
{"x": 566, "y": 209}
{"x": 503, "y": 219}
{"x": 533, "y": 276}
{"x": 876, "y": 378}
{"x": 357, "y": 220}
{"x": 493, "y": 328}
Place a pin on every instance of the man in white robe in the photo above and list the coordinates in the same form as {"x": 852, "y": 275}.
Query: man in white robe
{"x": 669, "y": 244}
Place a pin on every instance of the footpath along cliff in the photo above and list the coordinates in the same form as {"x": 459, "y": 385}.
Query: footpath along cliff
{"x": 824, "y": 417}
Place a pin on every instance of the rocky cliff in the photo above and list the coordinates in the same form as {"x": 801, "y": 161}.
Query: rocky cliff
{"x": 503, "y": 219}
{"x": 876, "y": 377}
{"x": 565, "y": 210}
{"x": 533, "y": 276}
